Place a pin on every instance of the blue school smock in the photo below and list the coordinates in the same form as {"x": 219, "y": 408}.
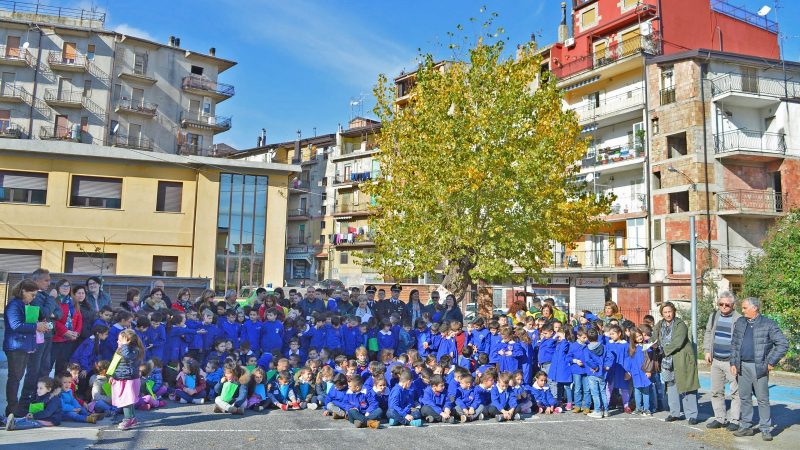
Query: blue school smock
{"x": 437, "y": 402}
{"x": 616, "y": 376}
{"x": 447, "y": 346}
{"x": 597, "y": 359}
{"x": 478, "y": 338}
{"x": 271, "y": 336}
{"x": 543, "y": 396}
{"x": 251, "y": 333}
{"x": 333, "y": 337}
{"x": 375, "y": 400}
{"x": 159, "y": 342}
{"x": 85, "y": 354}
{"x": 503, "y": 400}
{"x": 482, "y": 396}
{"x": 508, "y": 363}
{"x": 494, "y": 341}
{"x": 351, "y": 340}
{"x": 401, "y": 400}
{"x": 546, "y": 349}
{"x": 465, "y": 398}
{"x": 633, "y": 365}
{"x": 232, "y": 331}
{"x": 109, "y": 346}
{"x": 317, "y": 337}
{"x": 360, "y": 401}
{"x": 387, "y": 341}
{"x": 576, "y": 352}
{"x": 559, "y": 366}
{"x": 178, "y": 342}
{"x": 527, "y": 361}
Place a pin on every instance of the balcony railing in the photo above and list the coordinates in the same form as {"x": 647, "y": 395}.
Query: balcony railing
{"x": 40, "y": 12}
{"x": 133, "y": 142}
{"x": 356, "y": 177}
{"x": 751, "y": 201}
{"x": 611, "y": 105}
{"x": 750, "y": 141}
{"x": 616, "y": 51}
{"x": 667, "y": 96}
{"x": 15, "y": 55}
{"x": 298, "y": 240}
{"x": 737, "y": 259}
{"x": 754, "y": 85}
{"x": 297, "y": 212}
{"x": 59, "y": 133}
{"x": 66, "y": 97}
{"x": 10, "y": 129}
{"x": 611, "y": 155}
{"x": 345, "y": 208}
{"x": 737, "y": 12}
{"x": 58, "y": 58}
{"x": 138, "y": 106}
{"x": 202, "y": 83}
{"x": 9, "y": 90}
{"x": 602, "y": 259}
{"x": 353, "y": 238}
{"x": 205, "y": 121}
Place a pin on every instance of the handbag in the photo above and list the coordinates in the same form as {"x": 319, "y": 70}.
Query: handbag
{"x": 652, "y": 359}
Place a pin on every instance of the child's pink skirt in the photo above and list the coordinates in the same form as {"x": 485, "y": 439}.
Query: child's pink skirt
{"x": 125, "y": 392}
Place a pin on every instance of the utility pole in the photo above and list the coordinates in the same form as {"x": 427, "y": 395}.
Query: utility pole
{"x": 693, "y": 276}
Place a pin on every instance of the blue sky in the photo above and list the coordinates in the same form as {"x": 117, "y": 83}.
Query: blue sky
{"x": 302, "y": 61}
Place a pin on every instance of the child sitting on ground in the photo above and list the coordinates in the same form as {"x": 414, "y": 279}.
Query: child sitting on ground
{"x": 71, "y": 409}
{"x": 44, "y": 411}
{"x": 543, "y": 395}
{"x": 231, "y": 391}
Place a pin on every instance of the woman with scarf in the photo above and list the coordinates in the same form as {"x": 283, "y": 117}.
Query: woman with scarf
{"x": 80, "y": 299}
{"x": 133, "y": 301}
{"x": 183, "y": 301}
{"x": 67, "y": 329}
{"x": 679, "y": 365}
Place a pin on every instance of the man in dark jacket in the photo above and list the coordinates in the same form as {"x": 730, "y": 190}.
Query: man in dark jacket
{"x": 757, "y": 346}
{"x": 39, "y": 362}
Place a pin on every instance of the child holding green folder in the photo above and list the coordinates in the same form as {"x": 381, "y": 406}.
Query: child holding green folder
{"x": 44, "y": 411}
{"x": 231, "y": 390}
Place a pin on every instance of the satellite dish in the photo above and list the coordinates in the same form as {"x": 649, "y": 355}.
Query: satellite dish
{"x": 589, "y": 177}
{"x": 25, "y": 45}
{"x": 115, "y": 128}
{"x": 764, "y": 11}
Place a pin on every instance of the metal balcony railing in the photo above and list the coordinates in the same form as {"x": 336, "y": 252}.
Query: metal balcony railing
{"x": 355, "y": 177}
{"x": 206, "y": 121}
{"x": 297, "y": 212}
{"x": 73, "y": 97}
{"x": 737, "y": 259}
{"x": 15, "y": 54}
{"x": 137, "y": 106}
{"x": 751, "y": 201}
{"x": 40, "y": 11}
{"x": 737, "y": 12}
{"x": 667, "y": 96}
{"x": 606, "y": 259}
{"x": 611, "y": 155}
{"x": 298, "y": 240}
{"x": 59, "y": 58}
{"x": 344, "y": 208}
{"x": 616, "y": 51}
{"x": 205, "y": 84}
{"x": 755, "y": 85}
{"x": 49, "y": 133}
{"x": 10, "y": 129}
{"x": 610, "y": 105}
{"x": 133, "y": 142}
{"x": 750, "y": 141}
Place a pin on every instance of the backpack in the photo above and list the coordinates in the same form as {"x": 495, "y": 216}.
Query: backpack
{"x": 652, "y": 359}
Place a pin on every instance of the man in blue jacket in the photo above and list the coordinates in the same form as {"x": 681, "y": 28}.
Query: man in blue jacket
{"x": 39, "y": 362}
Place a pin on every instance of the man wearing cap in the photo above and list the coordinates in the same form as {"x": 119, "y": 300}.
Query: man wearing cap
{"x": 392, "y": 305}
{"x": 371, "y": 290}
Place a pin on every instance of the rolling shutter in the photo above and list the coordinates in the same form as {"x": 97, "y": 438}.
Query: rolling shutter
{"x": 90, "y": 264}
{"x": 97, "y": 187}
{"x": 20, "y": 260}
{"x": 169, "y": 196}
{"x": 22, "y": 180}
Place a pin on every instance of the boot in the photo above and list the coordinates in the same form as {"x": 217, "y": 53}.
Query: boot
{"x": 374, "y": 424}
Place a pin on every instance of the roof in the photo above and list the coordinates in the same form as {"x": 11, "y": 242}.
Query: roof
{"x": 74, "y": 150}
{"x": 371, "y": 128}
{"x": 721, "y": 56}
{"x": 316, "y": 140}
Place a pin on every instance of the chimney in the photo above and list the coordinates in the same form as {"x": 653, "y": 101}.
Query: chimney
{"x": 177, "y": 42}
{"x": 212, "y": 51}
{"x": 172, "y": 41}
{"x": 563, "y": 31}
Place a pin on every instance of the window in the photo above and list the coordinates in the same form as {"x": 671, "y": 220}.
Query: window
{"x": 169, "y": 196}
{"x": 140, "y": 63}
{"x": 589, "y": 18}
{"x": 90, "y": 263}
{"x": 627, "y": 4}
{"x": 12, "y": 46}
{"x": 681, "y": 258}
{"x": 321, "y": 239}
{"x": 654, "y": 127}
{"x": 749, "y": 79}
{"x": 165, "y": 266}
{"x": 678, "y": 202}
{"x": 497, "y": 298}
{"x": 20, "y": 260}
{"x": 23, "y": 187}
{"x": 90, "y": 52}
{"x": 343, "y": 258}
{"x": 322, "y": 225}
{"x": 677, "y": 145}
{"x": 657, "y": 229}
{"x": 206, "y": 106}
{"x": 87, "y": 88}
{"x": 69, "y": 52}
{"x": 600, "y": 51}
{"x": 667, "y": 85}
{"x": 96, "y": 192}
{"x": 657, "y": 180}
{"x": 197, "y": 70}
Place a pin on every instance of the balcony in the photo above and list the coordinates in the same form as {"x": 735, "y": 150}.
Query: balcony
{"x": 11, "y": 130}
{"x": 749, "y": 145}
{"x": 15, "y": 56}
{"x": 137, "y": 74}
{"x": 614, "y": 109}
{"x": 64, "y": 99}
{"x": 343, "y": 210}
{"x": 350, "y": 240}
{"x": 612, "y": 159}
{"x": 606, "y": 260}
{"x": 353, "y": 179}
{"x": 217, "y": 124}
{"x": 200, "y": 85}
{"x": 751, "y": 203}
{"x": 752, "y": 91}
{"x": 614, "y": 53}
{"x": 298, "y": 214}
{"x": 625, "y": 206}
{"x": 59, "y": 60}
{"x": 136, "y": 106}
{"x": 737, "y": 12}
{"x": 191, "y": 149}
{"x": 298, "y": 240}
{"x": 11, "y": 93}
{"x": 132, "y": 142}
{"x": 666, "y": 96}
{"x": 736, "y": 260}
{"x": 353, "y": 150}
{"x": 58, "y": 133}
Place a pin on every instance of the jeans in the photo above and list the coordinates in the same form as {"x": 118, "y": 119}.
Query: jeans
{"x": 75, "y": 416}
{"x": 642, "y": 396}
{"x": 580, "y": 391}
{"x": 375, "y": 414}
{"x": 750, "y": 384}
{"x": 354, "y": 414}
{"x": 492, "y": 411}
{"x": 656, "y": 393}
{"x": 102, "y": 406}
{"x": 25, "y": 424}
{"x": 426, "y": 411}
{"x": 597, "y": 389}
{"x": 61, "y": 353}
{"x": 566, "y": 390}
{"x": 36, "y": 361}
{"x": 720, "y": 376}
{"x": 335, "y": 409}
{"x": 675, "y": 400}
{"x": 400, "y": 419}
{"x": 17, "y": 361}
{"x": 181, "y": 395}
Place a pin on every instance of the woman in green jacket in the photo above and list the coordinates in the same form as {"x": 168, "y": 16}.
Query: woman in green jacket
{"x": 679, "y": 366}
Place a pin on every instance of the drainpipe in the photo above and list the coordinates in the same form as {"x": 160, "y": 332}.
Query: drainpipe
{"x": 194, "y": 223}
{"x": 703, "y": 70}
{"x": 35, "y": 82}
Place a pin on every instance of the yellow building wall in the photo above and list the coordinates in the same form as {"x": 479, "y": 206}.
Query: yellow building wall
{"x": 275, "y": 245}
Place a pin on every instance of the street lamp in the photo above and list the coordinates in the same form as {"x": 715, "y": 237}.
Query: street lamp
{"x": 672, "y": 169}
{"x": 692, "y": 259}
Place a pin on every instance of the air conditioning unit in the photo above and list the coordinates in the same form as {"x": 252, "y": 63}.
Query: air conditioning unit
{"x": 569, "y": 42}
{"x": 646, "y": 29}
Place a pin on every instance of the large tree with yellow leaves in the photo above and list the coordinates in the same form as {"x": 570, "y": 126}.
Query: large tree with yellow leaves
{"x": 478, "y": 171}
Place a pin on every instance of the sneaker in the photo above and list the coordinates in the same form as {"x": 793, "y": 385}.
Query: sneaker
{"x": 766, "y": 435}
{"x": 162, "y": 403}
{"x": 596, "y": 414}
{"x": 451, "y": 420}
{"x": 744, "y": 432}
{"x": 586, "y": 411}
{"x": 312, "y": 406}
{"x": 217, "y": 409}
{"x": 557, "y": 410}
{"x": 171, "y": 397}
{"x": 374, "y": 424}
{"x": 285, "y": 407}
{"x": 416, "y": 423}
{"x": 463, "y": 418}
{"x": 238, "y": 411}
{"x": 260, "y": 408}
{"x": 577, "y": 410}
{"x": 671, "y": 419}
{"x": 480, "y": 417}
{"x": 359, "y": 424}
{"x": 91, "y": 418}
{"x": 336, "y": 416}
{"x": 125, "y": 424}
{"x": 693, "y": 421}
{"x": 647, "y": 414}
{"x": 499, "y": 417}
{"x": 429, "y": 419}
{"x": 134, "y": 422}
{"x": 627, "y": 410}
{"x": 518, "y": 417}
{"x": 392, "y": 422}
{"x": 183, "y": 401}
{"x": 713, "y": 425}
{"x": 11, "y": 423}
{"x": 732, "y": 426}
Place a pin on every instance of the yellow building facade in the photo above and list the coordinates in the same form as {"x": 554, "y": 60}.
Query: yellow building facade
{"x": 89, "y": 209}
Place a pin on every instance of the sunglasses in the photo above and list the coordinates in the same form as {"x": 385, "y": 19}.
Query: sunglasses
{"x": 727, "y": 305}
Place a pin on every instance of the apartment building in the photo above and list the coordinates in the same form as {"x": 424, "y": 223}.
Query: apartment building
{"x": 725, "y": 150}
{"x": 600, "y": 62}
{"x": 66, "y": 78}
{"x": 308, "y": 219}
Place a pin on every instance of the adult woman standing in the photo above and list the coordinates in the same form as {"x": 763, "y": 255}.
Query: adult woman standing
{"x": 183, "y": 300}
{"x": 133, "y": 301}
{"x": 547, "y": 313}
{"x": 611, "y": 312}
{"x": 679, "y": 366}
{"x": 19, "y": 340}
{"x": 79, "y": 296}
{"x": 451, "y": 310}
{"x": 206, "y": 301}
{"x": 156, "y": 301}
{"x": 516, "y": 312}
{"x": 67, "y": 328}
{"x": 414, "y": 308}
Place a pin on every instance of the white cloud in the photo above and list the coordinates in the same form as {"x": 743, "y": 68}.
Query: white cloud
{"x": 129, "y": 30}
{"x": 326, "y": 38}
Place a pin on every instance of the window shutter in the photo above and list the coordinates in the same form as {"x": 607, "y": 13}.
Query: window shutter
{"x": 90, "y": 264}
{"x": 98, "y": 187}
{"x": 20, "y": 260}
{"x": 162, "y": 264}
{"x": 169, "y": 196}
{"x": 21, "y": 180}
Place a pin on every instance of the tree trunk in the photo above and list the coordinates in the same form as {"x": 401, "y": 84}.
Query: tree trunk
{"x": 457, "y": 279}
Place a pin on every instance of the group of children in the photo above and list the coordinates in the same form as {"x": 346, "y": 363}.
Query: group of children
{"x": 270, "y": 358}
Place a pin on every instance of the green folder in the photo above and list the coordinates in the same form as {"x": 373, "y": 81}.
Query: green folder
{"x": 250, "y": 368}
{"x": 31, "y": 314}
{"x": 228, "y": 389}
{"x": 372, "y": 344}
{"x": 112, "y": 367}
{"x": 149, "y": 385}
{"x": 35, "y": 407}
{"x": 107, "y": 389}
